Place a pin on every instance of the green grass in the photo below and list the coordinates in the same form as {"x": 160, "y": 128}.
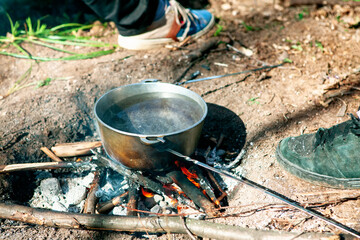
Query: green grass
{"x": 23, "y": 82}
{"x": 39, "y": 34}
{"x": 253, "y": 100}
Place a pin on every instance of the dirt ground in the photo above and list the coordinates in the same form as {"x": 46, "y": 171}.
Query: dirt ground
{"x": 322, "y": 43}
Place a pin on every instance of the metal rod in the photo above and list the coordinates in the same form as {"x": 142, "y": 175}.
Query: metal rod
{"x": 229, "y": 74}
{"x": 272, "y": 193}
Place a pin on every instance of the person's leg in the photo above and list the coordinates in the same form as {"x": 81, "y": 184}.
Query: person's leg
{"x": 145, "y": 24}
{"x": 131, "y": 17}
{"x": 176, "y": 24}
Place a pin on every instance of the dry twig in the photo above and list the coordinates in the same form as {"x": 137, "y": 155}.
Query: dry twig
{"x": 50, "y": 154}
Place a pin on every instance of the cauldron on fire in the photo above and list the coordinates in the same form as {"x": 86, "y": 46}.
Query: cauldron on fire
{"x": 138, "y": 122}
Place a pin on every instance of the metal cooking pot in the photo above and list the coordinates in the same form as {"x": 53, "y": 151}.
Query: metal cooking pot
{"x": 136, "y": 121}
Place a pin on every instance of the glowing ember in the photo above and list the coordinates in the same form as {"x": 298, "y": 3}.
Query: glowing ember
{"x": 146, "y": 193}
{"x": 217, "y": 202}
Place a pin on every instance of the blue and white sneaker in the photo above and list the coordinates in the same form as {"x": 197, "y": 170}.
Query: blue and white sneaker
{"x": 176, "y": 24}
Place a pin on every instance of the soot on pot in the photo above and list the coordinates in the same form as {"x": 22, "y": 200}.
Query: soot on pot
{"x": 153, "y": 113}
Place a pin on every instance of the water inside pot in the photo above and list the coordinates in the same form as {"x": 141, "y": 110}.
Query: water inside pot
{"x": 154, "y": 113}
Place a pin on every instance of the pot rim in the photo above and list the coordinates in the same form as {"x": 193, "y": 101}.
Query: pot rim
{"x": 152, "y": 136}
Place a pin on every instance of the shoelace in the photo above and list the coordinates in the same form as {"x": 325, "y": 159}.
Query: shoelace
{"x": 355, "y": 127}
{"x": 185, "y": 15}
{"x": 327, "y": 135}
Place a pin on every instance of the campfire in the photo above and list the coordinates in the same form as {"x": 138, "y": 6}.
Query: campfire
{"x": 102, "y": 186}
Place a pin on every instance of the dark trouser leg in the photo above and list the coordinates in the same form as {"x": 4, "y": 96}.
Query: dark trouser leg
{"x": 130, "y": 16}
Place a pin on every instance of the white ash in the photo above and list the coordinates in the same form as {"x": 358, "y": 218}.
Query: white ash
{"x": 119, "y": 210}
{"x": 232, "y": 183}
{"x": 113, "y": 184}
{"x": 214, "y": 158}
{"x": 66, "y": 193}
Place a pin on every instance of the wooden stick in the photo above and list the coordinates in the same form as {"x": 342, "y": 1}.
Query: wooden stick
{"x": 39, "y": 166}
{"x": 50, "y": 154}
{"x": 133, "y": 198}
{"x": 106, "y": 207}
{"x": 91, "y": 200}
{"x": 157, "y": 224}
{"x": 74, "y": 149}
{"x": 203, "y": 48}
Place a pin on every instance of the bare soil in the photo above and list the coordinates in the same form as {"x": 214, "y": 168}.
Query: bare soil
{"x": 272, "y": 104}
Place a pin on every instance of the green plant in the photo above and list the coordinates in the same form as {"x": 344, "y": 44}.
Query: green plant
{"x": 40, "y": 34}
{"x": 219, "y": 29}
{"x": 304, "y": 12}
{"x": 297, "y": 46}
{"x": 250, "y": 28}
{"x": 319, "y": 45}
{"x": 44, "y": 82}
{"x": 253, "y": 101}
{"x": 22, "y": 82}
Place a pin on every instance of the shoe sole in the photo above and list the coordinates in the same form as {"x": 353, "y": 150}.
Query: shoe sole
{"x": 316, "y": 178}
{"x": 134, "y": 43}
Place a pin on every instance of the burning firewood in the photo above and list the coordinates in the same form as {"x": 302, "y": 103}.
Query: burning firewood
{"x": 133, "y": 199}
{"x": 106, "y": 207}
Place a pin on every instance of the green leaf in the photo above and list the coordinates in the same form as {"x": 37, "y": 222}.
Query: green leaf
{"x": 22, "y": 49}
{"x": 218, "y": 30}
{"x": 50, "y": 46}
{"x": 14, "y": 27}
{"x": 75, "y": 42}
{"x": 300, "y": 16}
{"x": 287, "y": 60}
{"x": 253, "y": 100}
{"x": 79, "y": 56}
{"x": 30, "y": 30}
{"x": 319, "y": 45}
{"x": 44, "y": 82}
{"x": 250, "y": 28}
{"x": 297, "y": 47}
{"x": 88, "y": 55}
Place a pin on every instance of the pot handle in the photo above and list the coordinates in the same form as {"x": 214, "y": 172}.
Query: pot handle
{"x": 152, "y": 140}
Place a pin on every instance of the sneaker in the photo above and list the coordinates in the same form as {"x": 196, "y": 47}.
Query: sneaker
{"x": 177, "y": 24}
{"x": 329, "y": 157}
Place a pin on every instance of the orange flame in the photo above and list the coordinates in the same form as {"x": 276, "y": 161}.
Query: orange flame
{"x": 188, "y": 173}
{"x": 191, "y": 176}
{"x": 173, "y": 201}
{"x": 146, "y": 193}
